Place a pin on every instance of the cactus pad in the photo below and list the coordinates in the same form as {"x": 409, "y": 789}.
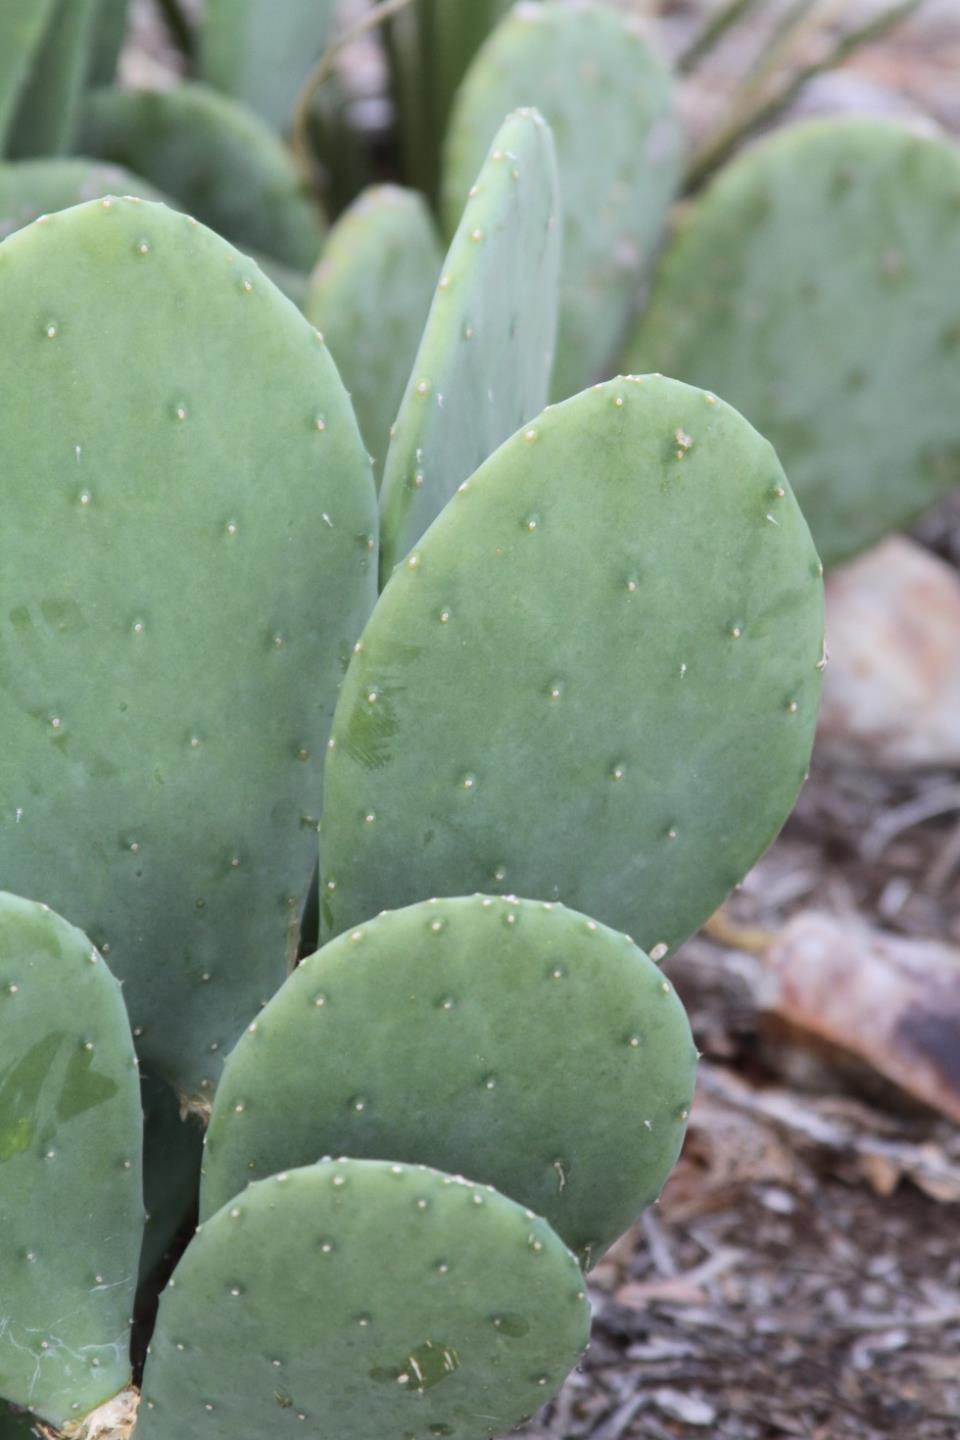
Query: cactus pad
{"x": 478, "y": 1034}
{"x": 70, "y": 1135}
{"x": 219, "y": 161}
{"x": 595, "y": 680}
{"x": 188, "y": 523}
{"x": 483, "y": 367}
{"x": 816, "y": 282}
{"x": 31, "y": 188}
{"x": 261, "y": 53}
{"x": 607, "y": 99}
{"x": 464, "y": 1311}
{"x": 370, "y": 295}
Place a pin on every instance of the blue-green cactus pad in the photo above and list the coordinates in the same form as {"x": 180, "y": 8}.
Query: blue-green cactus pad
{"x": 363, "y": 1298}
{"x": 261, "y": 52}
{"x": 70, "y": 1192}
{"x": 187, "y": 558}
{"x": 370, "y": 295}
{"x": 217, "y": 159}
{"x": 589, "y": 71}
{"x": 816, "y": 282}
{"x": 484, "y": 362}
{"x": 515, "y": 1040}
{"x": 595, "y": 680}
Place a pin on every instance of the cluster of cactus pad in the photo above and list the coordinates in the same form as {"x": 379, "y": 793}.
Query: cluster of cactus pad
{"x": 295, "y": 546}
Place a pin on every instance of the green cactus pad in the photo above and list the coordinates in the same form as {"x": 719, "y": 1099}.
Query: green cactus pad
{"x": 70, "y": 1136}
{"x": 46, "y": 118}
{"x": 22, "y": 28}
{"x": 261, "y": 52}
{"x": 483, "y": 367}
{"x": 219, "y": 161}
{"x": 476, "y": 1034}
{"x": 31, "y": 188}
{"x": 595, "y": 680}
{"x": 363, "y": 1298}
{"x": 370, "y": 295}
{"x": 816, "y": 282}
{"x": 187, "y": 558}
{"x": 608, "y": 101}
{"x": 429, "y": 46}
{"x": 172, "y": 1151}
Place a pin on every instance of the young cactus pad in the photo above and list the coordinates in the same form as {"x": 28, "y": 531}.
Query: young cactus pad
{"x": 70, "y": 1192}
{"x": 483, "y": 367}
{"x": 261, "y": 52}
{"x": 187, "y": 559}
{"x": 370, "y": 295}
{"x": 816, "y": 282}
{"x": 476, "y": 1035}
{"x": 217, "y": 159}
{"x": 595, "y": 680}
{"x": 588, "y": 70}
{"x": 464, "y": 1310}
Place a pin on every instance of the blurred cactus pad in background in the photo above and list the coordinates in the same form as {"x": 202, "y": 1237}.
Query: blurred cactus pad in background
{"x": 396, "y": 669}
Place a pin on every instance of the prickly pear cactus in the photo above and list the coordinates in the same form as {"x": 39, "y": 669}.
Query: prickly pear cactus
{"x": 31, "y": 188}
{"x": 261, "y": 53}
{"x": 595, "y": 680}
{"x": 46, "y": 118}
{"x": 70, "y": 1136}
{"x": 483, "y": 366}
{"x": 587, "y": 68}
{"x": 365, "y": 1296}
{"x": 219, "y": 161}
{"x": 187, "y": 558}
{"x": 815, "y": 282}
{"x": 432, "y": 1034}
{"x": 22, "y": 29}
{"x": 370, "y": 295}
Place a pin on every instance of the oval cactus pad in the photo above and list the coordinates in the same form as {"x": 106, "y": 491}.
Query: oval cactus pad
{"x": 477, "y": 1035}
{"x": 70, "y": 1188}
{"x": 363, "y": 1298}
{"x": 595, "y": 680}
{"x": 816, "y": 283}
{"x": 187, "y": 558}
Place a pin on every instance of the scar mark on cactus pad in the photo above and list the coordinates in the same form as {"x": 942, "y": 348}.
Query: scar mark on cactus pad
{"x": 371, "y": 727}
